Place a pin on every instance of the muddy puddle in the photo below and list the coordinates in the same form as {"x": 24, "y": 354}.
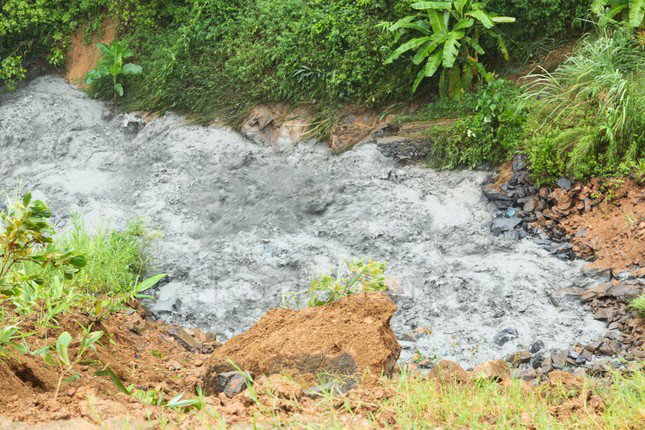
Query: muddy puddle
{"x": 242, "y": 224}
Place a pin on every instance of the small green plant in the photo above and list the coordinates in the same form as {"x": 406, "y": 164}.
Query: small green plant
{"x": 26, "y": 238}
{"x": 360, "y": 276}
{"x": 112, "y": 66}
{"x": 60, "y": 356}
{"x": 638, "y": 305}
{"x": 450, "y": 33}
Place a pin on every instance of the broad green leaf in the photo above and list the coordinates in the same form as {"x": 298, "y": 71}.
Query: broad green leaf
{"x": 459, "y": 5}
{"x": 451, "y": 48}
{"x": 428, "y": 48}
{"x": 78, "y": 261}
{"x": 408, "y": 19}
{"x": 636, "y": 12}
{"x": 433, "y": 64}
{"x": 410, "y": 44}
{"x": 26, "y": 199}
{"x": 503, "y": 19}
{"x": 464, "y": 23}
{"x": 132, "y": 69}
{"x": 500, "y": 44}
{"x": 149, "y": 283}
{"x": 62, "y": 347}
{"x": 92, "y": 338}
{"x": 482, "y": 17}
{"x": 104, "y": 49}
{"x": 118, "y": 88}
{"x": 475, "y": 45}
{"x": 616, "y": 10}
{"x": 433, "y": 5}
{"x": 436, "y": 21}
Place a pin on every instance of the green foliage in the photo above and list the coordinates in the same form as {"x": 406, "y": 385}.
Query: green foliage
{"x": 450, "y": 33}
{"x": 588, "y": 114}
{"x": 629, "y": 11}
{"x": 489, "y": 135}
{"x": 37, "y": 32}
{"x": 111, "y": 65}
{"x": 360, "y": 276}
{"x": 224, "y": 56}
{"x": 62, "y": 357}
{"x": 26, "y": 238}
{"x": 638, "y": 305}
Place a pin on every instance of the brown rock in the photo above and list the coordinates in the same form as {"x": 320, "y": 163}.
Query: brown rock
{"x": 349, "y": 336}
{"x": 519, "y": 357}
{"x": 448, "y": 370}
{"x": 497, "y": 369}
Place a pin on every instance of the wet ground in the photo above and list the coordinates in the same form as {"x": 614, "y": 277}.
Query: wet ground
{"x": 243, "y": 224}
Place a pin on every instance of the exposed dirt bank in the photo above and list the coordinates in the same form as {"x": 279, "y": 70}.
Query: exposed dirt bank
{"x": 243, "y": 223}
{"x": 83, "y": 55}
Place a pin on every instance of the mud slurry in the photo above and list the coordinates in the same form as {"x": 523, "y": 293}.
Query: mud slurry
{"x": 242, "y": 224}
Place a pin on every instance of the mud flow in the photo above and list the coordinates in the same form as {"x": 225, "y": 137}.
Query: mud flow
{"x": 242, "y": 224}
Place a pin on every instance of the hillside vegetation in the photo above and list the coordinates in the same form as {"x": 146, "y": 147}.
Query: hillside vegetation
{"x": 216, "y": 58}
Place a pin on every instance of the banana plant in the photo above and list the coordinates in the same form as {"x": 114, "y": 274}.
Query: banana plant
{"x": 112, "y": 65}
{"x": 448, "y": 38}
{"x": 630, "y": 11}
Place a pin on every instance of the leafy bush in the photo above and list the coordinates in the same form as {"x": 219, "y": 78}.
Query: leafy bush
{"x": 450, "y": 32}
{"x": 359, "y": 277}
{"x": 26, "y": 239}
{"x": 489, "y": 135}
{"x": 595, "y": 101}
{"x": 111, "y": 65}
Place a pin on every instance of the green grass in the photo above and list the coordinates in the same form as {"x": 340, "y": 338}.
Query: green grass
{"x": 638, "y": 305}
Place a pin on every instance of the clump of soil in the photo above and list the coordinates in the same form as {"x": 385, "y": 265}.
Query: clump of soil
{"x": 138, "y": 350}
{"x": 82, "y": 56}
{"x": 351, "y": 335}
{"x": 611, "y": 227}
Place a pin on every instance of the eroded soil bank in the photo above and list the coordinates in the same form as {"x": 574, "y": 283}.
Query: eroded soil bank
{"x": 243, "y": 223}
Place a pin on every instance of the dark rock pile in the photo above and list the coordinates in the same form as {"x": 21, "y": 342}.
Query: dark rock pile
{"x": 527, "y": 211}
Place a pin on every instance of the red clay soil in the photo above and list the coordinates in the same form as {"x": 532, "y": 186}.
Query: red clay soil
{"x": 139, "y": 351}
{"x": 81, "y": 56}
{"x": 607, "y": 221}
{"x": 351, "y": 335}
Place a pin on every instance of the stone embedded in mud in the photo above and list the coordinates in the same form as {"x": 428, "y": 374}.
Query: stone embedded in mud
{"x": 519, "y": 357}
{"x": 505, "y": 336}
{"x": 447, "y": 370}
{"x": 497, "y": 369}
{"x": 229, "y": 383}
{"x": 349, "y": 336}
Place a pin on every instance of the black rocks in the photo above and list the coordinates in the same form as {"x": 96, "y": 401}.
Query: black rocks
{"x": 230, "y": 383}
{"x": 502, "y": 225}
{"x": 505, "y": 336}
{"x": 564, "y": 183}
{"x": 537, "y": 346}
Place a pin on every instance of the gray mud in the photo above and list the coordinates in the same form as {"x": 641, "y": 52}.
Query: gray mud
{"x": 243, "y": 223}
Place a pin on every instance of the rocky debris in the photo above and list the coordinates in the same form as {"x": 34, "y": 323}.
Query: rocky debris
{"x": 194, "y": 340}
{"x": 506, "y": 335}
{"x": 497, "y": 370}
{"x": 403, "y": 148}
{"x": 334, "y": 387}
{"x": 230, "y": 383}
{"x": 549, "y": 214}
{"x": 447, "y": 370}
{"x": 276, "y": 123}
{"x": 347, "y": 337}
{"x": 519, "y": 357}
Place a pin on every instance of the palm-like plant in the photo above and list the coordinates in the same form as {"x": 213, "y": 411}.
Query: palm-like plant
{"x": 450, "y": 33}
{"x": 112, "y": 65}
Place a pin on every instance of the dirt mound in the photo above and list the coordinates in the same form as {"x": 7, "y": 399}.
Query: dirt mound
{"x": 138, "y": 350}
{"x": 349, "y": 336}
{"x": 82, "y": 56}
